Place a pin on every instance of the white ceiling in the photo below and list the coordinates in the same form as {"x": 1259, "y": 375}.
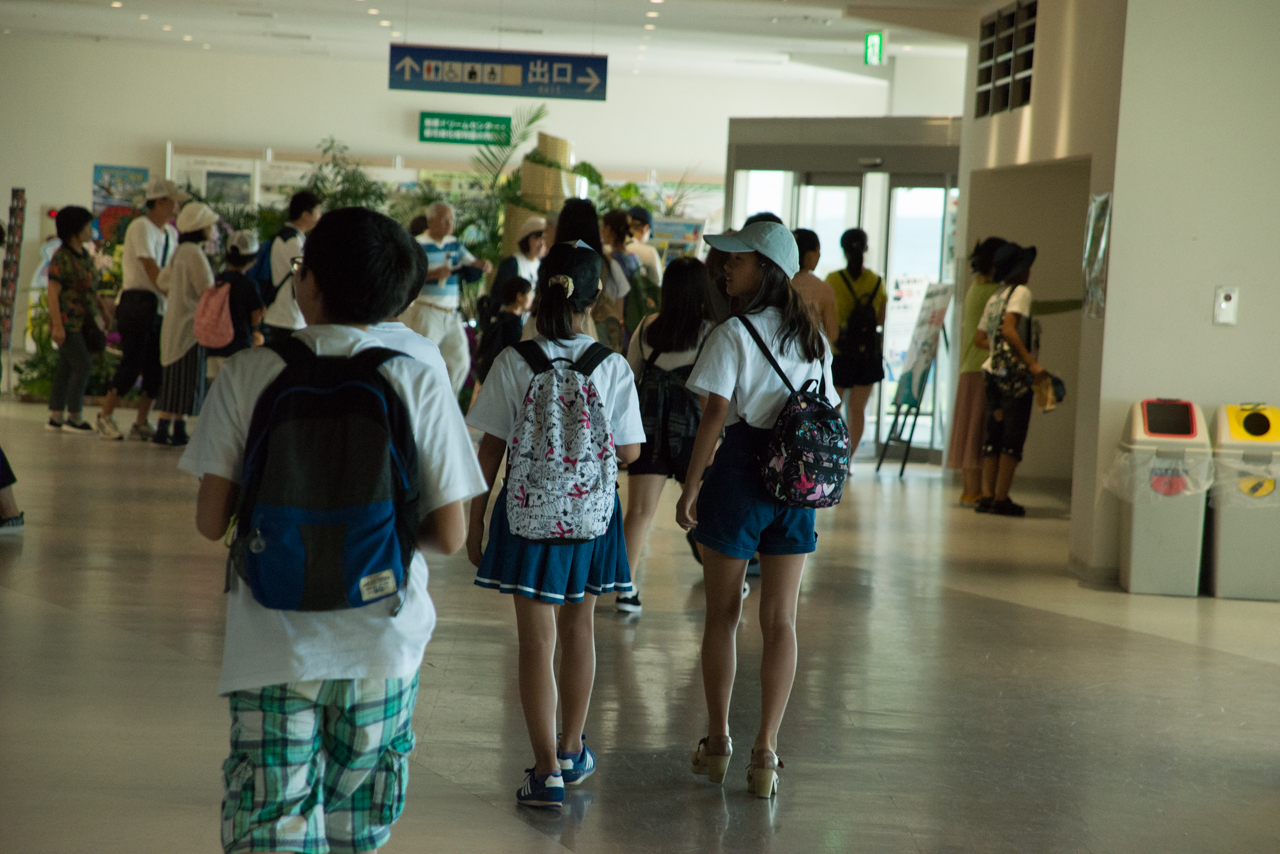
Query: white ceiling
{"x": 801, "y": 41}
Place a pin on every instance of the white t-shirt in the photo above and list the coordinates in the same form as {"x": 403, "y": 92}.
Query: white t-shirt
{"x": 527, "y": 268}
{"x": 268, "y": 647}
{"x": 995, "y": 310}
{"x": 648, "y": 259}
{"x": 396, "y": 336}
{"x": 144, "y": 239}
{"x": 185, "y": 278}
{"x": 497, "y": 407}
{"x": 640, "y": 351}
{"x": 614, "y": 280}
{"x": 733, "y": 367}
{"x": 284, "y": 312}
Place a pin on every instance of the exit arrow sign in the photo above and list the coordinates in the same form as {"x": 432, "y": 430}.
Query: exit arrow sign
{"x": 425, "y": 68}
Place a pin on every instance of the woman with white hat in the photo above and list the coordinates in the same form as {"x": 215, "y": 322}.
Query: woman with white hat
{"x": 182, "y": 383}
{"x": 521, "y": 264}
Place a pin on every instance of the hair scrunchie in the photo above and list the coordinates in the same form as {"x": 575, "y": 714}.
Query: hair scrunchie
{"x": 563, "y": 281}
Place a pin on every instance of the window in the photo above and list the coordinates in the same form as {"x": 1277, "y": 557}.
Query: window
{"x": 1006, "y": 56}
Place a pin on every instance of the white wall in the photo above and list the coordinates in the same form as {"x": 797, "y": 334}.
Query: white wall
{"x": 1196, "y": 189}
{"x": 67, "y": 105}
{"x": 927, "y": 86}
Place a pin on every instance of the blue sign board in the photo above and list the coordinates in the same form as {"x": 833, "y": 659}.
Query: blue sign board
{"x": 498, "y": 72}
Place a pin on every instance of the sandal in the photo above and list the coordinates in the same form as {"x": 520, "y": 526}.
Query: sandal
{"x": 712, "y": 757}
{"x": 762, "y": 773}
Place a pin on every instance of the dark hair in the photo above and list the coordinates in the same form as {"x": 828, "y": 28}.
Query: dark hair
{"x": 233, "y": 258}
{"x": 641, "y": 214}
{"x": 417, "y": 225}
{"x": 854, "y": 237}
{"x": 684, "y": 307}
{"x": 514, "y": 288}
{"x": 578, "y": 221}
{"x": 763, "y": 216}
{"x": 555, "y": 310}
{"x": 617, "y": 222}
{"x": 366, "y": 266}
{"x": 806, "y": 242}
{"x": 302, "y": 201}
{"x": 2, "y": 233}
{"x": 776, "y": 291}
{"x": 524, "y": 241}
{"x": 716, "y": 259}
{"x": 984, "y": 255}
{"x": 70, "y": 221}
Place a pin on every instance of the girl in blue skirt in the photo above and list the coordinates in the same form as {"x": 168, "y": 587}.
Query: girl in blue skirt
{"x": 554, "y": 585}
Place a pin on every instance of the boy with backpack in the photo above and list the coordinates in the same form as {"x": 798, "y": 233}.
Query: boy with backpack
{"x": 273, "y": 272}
{"x": 330, "y": 463}
{"x": 228, "y": 314}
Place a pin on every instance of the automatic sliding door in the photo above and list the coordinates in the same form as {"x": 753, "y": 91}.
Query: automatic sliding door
{"x": 829, "y": 211}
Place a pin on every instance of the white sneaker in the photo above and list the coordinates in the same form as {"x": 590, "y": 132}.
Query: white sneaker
{"x": 142, "y": 432}
{"x": 107, "y": 428}
{"x": 746, "y": 590}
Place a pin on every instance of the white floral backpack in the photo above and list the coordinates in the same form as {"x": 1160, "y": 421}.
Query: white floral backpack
{"x": 562, "y": 471}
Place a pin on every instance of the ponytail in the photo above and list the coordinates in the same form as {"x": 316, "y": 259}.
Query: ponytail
{"x": 568, "y": 282}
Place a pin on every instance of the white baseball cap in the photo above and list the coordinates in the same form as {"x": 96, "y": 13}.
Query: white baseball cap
{"x": 162, "y": 188}
{"x": 770, "y": 239}
{"x": 244, "y": 243}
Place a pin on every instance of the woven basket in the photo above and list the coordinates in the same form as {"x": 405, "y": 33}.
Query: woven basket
{"x": 559, "y": 150}
{"x": 545, "y": 187}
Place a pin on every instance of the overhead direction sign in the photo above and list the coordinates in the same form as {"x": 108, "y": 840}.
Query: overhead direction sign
{"x": 465, "y": 129}
{"x": 422, "y": 68}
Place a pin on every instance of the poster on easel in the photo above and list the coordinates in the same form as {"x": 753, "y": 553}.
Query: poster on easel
{"x": 924, "y": 344}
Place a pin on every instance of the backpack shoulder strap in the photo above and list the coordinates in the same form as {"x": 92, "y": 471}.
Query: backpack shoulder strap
{"x": 591, "y": 359}
{"x": 293, "y": 351}
{"x": 848, "y": 283}
{"x": 763, "y": 349}
{"x": 532, "y": 353}
{"x": 871, "y": 297}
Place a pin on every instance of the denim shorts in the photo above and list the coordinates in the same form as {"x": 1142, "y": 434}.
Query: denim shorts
{"x": 736, "y": 516}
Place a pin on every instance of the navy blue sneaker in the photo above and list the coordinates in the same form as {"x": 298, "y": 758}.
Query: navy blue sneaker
{"x": 576, "y": 768}
{"x": 541, "y": 790}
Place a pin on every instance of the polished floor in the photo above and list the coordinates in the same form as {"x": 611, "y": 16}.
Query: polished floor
{"x": 957, "y": 690}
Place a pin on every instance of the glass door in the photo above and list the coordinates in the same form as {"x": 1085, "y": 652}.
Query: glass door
{"x": 829, "y": 211}
{"x": 760, "y": 190}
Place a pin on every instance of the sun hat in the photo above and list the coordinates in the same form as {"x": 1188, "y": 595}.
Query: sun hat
{"x": 1011, "y": 260}
{"x": 531, "y": 225}
{"x": 162, "y": 188}
{"x": 243, "y": 246}
{"x": 770, "y": 239}
{"x": 195, "y": 216}
{"x": 640, "y": 214}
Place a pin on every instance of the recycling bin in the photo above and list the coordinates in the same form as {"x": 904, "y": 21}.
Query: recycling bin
{"x": 1164, "y": 466}
{"x": 1246, "y": 507}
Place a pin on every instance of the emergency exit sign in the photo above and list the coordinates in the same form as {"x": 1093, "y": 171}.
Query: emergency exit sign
{"x": 464, "y": 129}
{"x": 873, "y": 49}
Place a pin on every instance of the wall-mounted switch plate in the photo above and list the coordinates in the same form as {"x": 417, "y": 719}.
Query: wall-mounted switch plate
{"x": 1226, "y": 305}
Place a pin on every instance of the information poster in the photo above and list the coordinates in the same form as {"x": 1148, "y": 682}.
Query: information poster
{"x": 923, "y": 348}
{"x": 117, "y": 186}
{"x": 903, "y": 309}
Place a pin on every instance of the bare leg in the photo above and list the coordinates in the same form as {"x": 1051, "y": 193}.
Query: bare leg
{"x": 8, "y": 504}
{"x": 972, "y": 481}
{"x": 1004, "y": 476}
{"x": 144, "y": 407}
{"x": 723, "y": 577}
{"x": 856, "y": 413}
{"x": 577, "y": 669}
{"x": 989, "y": 476}
{"x": 536, "y": 627}
{"x": 643, "y": 492}
{"x": 779, "y": 591}
{"x": 109, "y": 405}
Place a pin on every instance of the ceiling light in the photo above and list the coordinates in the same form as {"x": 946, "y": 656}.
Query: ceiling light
{"x": 117, "y": 4}
{"x": 643, "y": 47}
{"x": 395, "y": 35}
{"x": 637, "y": 70}
{"x": 186, "y": 38}
{"x": 651, "y": 14}
{"x": 373, "y": 11}
{"x": 167, "y": 27}
{"x": 906, "y": 47}
{"x": 384, "y": 23}
{"x": 205, "y": 46}
{"x": 655, "y": 1}
{"x": 143, "y": 17}
{"x": 6, "y": 32}
{"x": 650, "y": 27}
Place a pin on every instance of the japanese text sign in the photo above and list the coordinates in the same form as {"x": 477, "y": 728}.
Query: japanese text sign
{"x": 493, "y": 72}
{"x": 464, "y": 129}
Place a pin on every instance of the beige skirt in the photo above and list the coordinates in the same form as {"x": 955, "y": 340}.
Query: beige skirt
{"x": 969, "y": 428}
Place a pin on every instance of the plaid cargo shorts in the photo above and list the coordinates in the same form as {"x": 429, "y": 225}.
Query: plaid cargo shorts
{"x": 317, "y": 766}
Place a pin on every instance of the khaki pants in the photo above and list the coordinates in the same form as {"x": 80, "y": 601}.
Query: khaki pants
{"x": 444, "y": 327}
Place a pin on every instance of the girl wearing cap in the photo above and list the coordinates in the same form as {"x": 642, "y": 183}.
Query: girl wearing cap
{"x": 244, "y": 301}
{"x": 542, "y": 576}
{"x": 1005, "y": 320}
{"x": 182, "y": 381}
{"x": 969, "y": 425}
{"x": 730, "y": 513}
{"x": 72, "y": 282}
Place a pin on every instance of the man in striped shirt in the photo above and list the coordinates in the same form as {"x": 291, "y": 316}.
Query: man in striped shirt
{"x": 434, "y": 314}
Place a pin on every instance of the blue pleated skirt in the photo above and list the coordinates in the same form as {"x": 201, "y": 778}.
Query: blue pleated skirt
{"x": 555, "y": 574}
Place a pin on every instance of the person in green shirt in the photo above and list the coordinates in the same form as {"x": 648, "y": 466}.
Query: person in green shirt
{"x": 969, "y": 425}
{"x": 857, "y": 363}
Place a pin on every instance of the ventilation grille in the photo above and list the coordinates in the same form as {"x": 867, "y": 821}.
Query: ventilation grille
{"x": 1006, "y": 59}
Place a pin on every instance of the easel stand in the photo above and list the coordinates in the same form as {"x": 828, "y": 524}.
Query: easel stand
{"x": 902, "y": 413}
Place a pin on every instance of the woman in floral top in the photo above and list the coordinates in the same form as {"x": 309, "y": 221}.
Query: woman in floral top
{"x": 72, "y": 282}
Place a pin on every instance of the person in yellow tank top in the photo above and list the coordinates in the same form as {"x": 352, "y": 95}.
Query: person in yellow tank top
{"x": 858, "y": 362}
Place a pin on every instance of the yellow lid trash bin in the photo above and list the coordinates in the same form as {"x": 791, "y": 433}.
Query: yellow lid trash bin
{"x": 1246, "y": 506}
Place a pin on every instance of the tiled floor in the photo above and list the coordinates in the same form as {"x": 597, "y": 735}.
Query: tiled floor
{"x": 956, "y": 690}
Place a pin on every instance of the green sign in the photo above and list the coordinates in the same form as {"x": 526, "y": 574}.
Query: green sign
{"x": 873, "y": 49}
{"x": 464, "y": 129}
